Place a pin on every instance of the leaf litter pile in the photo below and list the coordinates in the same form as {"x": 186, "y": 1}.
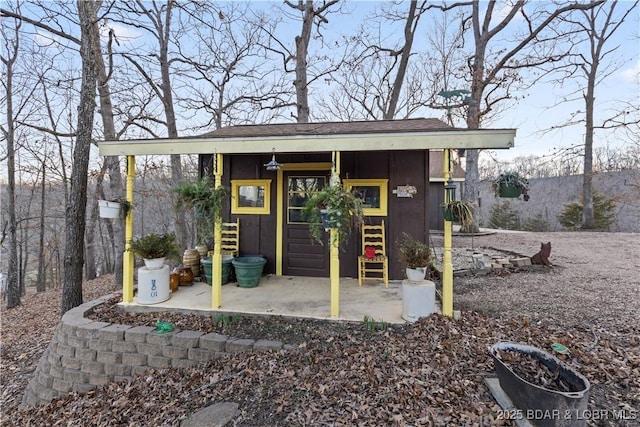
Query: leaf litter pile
{"x": 428, "y": 373}
{"x": 532, "y": 370}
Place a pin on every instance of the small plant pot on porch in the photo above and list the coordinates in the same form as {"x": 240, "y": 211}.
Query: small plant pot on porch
{"x": 560, "y": 402}
{"x": 248, "y": 270}
{"x": 207, "y": 266}
{"x": 416, "y": 275}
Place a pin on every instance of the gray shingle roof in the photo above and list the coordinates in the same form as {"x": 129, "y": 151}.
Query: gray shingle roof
{"x": 330, "y": 128}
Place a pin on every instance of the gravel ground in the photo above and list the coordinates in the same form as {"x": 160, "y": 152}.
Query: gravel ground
{"x": 595, "y": 278}
{"x": 429, "y": 373}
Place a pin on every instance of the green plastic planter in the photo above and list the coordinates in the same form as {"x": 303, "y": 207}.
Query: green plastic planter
{"x": 248, "y": 270}
{"x": 207, "y": 265}
{"x": 509, "y": 191}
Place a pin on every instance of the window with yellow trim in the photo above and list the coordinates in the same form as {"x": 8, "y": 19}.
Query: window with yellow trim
{"x": 373, "y": 193}
{"x": 251, "y": 196}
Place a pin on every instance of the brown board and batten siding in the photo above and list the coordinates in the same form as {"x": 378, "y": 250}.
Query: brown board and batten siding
{"x": 258, "y": 232}
{"x": 410, "y": 215}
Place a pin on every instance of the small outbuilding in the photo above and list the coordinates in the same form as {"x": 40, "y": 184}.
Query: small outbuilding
{"x": 387, "y": 162}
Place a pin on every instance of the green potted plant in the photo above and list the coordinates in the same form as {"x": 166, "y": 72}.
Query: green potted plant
{"x": 418, "y": 294}
{"x": 458, "y": 210}
{"x": 511, "y": 185}
{"x": 333, "y": 208}
{"x": 415, "y": 256}
{"x": 206, "y": 200}
{"x": 116, "y": 208}
{"x": 155, "y": 248}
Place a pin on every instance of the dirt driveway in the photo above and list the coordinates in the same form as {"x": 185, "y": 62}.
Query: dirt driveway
{"x": 595, "y": 278}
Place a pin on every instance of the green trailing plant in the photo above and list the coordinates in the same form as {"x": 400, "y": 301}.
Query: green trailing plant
{"x": 571, "y": 215}
{"x": 156, "y": 246}
{"x": 125, "y": 207}
{"x": 206, "y": 200}
{"x": 341, "y": 209}
{"x": 512, "y": 180}
{"x": 460, "y": 211}
{"x": 413, "y": 253}
{"x": 504, "y": 217}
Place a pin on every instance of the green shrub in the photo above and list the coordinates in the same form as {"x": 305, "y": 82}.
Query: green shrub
{"x": 504, "y": 216}
{"x": 536, "y": 223}
{"x": 603, "y": 216}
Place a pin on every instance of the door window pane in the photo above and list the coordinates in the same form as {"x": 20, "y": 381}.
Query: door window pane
{"x": 300, "y": 189}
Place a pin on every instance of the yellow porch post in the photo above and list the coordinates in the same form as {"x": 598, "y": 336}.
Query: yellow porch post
{"x": 127, "y": 257}
{"x": 447, "y": 266}
{"x": 216, "y": 261}
{"x": 334, "y": 250}
{"x": 279, "y": 218}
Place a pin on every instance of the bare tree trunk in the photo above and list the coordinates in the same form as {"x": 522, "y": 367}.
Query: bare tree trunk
{"x": 90, "y": 244}
{"x": 161, "y": 30}
{"x": 13, "y": 286}
{"x": 41, "y": 283}
{"x": 77, "y": 206}
{"x": 94, "y": 224}
{"x": 483, "y": 75}
{"x": 588, "y": 221}
{"x": 112, "y": 162}
{"x": 597, "y": 38}
{"x": 409, "y": 31}
{"x": 302, "y": 48}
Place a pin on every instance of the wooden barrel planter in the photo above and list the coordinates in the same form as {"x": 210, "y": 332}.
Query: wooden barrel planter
{"x": 561, "y": 402}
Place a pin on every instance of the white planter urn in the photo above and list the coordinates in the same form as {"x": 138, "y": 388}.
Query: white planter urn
{"x": 418, "y": 299}
{"x": 416, "y": 274}
{"x": 153, "y": 263}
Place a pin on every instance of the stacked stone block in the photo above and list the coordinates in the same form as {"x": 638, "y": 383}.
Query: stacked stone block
{"x": 84, "y": 354}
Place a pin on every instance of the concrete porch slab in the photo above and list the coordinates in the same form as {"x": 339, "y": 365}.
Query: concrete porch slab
{"x": 289, "y": 296}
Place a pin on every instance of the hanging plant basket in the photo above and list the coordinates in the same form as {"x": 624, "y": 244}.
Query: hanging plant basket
{"x": 118, "y": 208}
{"x": 109, "y": 209}
{"x": 458, "y": 211}
{"x": 511, "y": 185}
{"x": 333, "y": 208}
{"x": 509, "y": 191}
{"x": 447, "y": 214}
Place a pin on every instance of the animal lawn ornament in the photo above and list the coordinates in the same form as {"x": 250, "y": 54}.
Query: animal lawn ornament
{"x": 542, "y": 257}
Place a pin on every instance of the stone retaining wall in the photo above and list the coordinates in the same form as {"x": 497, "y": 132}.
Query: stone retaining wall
{"x": 84, "y": 354}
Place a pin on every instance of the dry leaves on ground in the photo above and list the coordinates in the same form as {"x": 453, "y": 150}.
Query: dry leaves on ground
{"x": 428, "y": 373}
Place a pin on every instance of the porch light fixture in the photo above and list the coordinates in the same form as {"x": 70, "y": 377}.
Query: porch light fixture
{"x": 273, "y": 165}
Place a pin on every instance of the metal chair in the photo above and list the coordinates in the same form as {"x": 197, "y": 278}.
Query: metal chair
{"x": 373, "y": 264}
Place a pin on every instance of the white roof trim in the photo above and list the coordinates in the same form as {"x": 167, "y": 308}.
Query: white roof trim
{"x": 428, "y": 140}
